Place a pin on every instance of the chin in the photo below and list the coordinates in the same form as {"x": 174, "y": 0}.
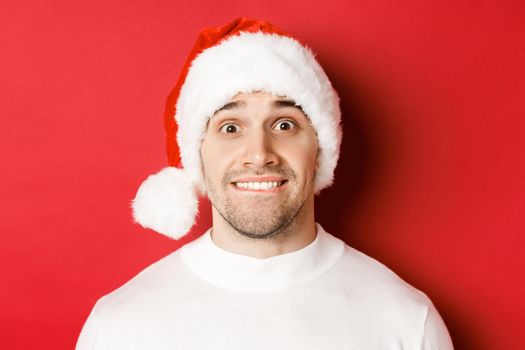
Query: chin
{"x": 260, "y": 229}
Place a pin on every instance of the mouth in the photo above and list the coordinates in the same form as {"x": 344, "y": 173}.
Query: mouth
{"x": 260, "y": 186}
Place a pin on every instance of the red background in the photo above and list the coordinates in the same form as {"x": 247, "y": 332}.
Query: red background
{"x": 430, "y": 182}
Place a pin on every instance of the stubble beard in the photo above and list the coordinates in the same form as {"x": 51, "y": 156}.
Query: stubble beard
{"x": 259, "y": 217}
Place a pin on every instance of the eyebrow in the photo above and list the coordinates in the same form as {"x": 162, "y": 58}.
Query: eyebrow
{"x": 275, "y": 105}
{"x": 231, "y": 106}
{"x": 287, "y": 103}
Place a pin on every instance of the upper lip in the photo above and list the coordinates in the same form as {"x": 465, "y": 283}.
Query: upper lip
{"x": 268, "y": 178}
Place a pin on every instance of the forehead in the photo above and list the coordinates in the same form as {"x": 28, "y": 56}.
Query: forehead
{"x": 242, "y": 99}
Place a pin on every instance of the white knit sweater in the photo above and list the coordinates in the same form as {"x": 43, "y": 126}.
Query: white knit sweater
{"x": 326, "y": 295}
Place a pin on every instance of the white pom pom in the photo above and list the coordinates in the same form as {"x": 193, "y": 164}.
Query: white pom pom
{"x": 166, "y": 202}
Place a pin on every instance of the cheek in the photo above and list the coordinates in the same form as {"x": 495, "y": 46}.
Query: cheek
{"x": 208, "y": 158}
{"x": 302, "y": 155}
{"x": 215, "y": 158}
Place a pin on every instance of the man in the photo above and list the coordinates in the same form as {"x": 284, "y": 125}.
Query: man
{"x": 254, "y": 123}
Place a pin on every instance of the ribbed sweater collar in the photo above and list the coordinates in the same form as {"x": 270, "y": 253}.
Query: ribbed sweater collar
{"x": 243, "y": 273}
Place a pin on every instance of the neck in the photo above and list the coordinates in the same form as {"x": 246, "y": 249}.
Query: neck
{"x": 298, "y": 234}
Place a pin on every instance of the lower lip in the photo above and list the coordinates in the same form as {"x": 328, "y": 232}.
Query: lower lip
{"x": 272, "y": 190}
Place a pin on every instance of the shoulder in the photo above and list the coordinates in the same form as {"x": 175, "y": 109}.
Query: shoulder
{"x": 369, "y": 284}
{"x": 388, "y": 300}
{"x": 357, "y": 272}
{"x": 377, "y": 275}
{"x": 167, "y": 276}
{"x": 366, "y": 276}
{"x": 119, "y": 315}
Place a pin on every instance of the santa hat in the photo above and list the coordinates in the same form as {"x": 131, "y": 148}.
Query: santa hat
{"x": 245, "y": 55}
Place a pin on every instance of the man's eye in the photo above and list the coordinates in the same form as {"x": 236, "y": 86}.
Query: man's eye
{"x": 285, "y": 125}
{"x": 229, "y": 128}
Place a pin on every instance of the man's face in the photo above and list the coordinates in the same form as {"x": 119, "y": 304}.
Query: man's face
{"x": 259, "y": 157}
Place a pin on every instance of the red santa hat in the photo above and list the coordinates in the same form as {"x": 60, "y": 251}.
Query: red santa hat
{"x": 245, "y": 55}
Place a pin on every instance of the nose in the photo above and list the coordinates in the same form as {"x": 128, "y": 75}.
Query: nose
{"x": 259, "y": 150}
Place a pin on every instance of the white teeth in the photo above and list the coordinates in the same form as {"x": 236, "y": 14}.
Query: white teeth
{"x": 262, "y": 185}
